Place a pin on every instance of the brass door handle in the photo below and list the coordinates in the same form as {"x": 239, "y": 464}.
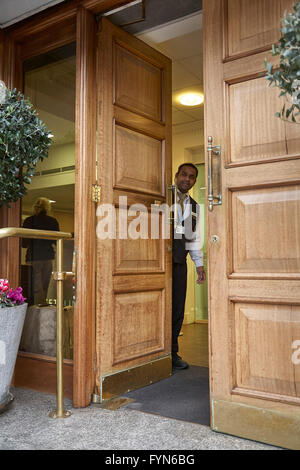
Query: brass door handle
{"x": 173, "y": 219}
{"x": 213, "y": 200}
{"x": 74, "y": 273}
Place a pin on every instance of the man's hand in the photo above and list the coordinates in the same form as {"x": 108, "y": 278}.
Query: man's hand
{"x": 201, "y": 275}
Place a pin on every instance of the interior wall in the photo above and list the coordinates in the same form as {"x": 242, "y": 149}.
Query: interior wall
{"x": 60, "y": 156}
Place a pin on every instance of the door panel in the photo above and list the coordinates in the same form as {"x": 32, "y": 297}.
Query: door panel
{"x": 261, "y": 368}
{"x": 145, "y": 96}
{"x": 254, "y": 292}
{"x": 137, "y": 256}
{"x": 130, "y": 147}
{"x": 134, "y": 165}
{"x": 259, "y": 108}
{"x": 257, "y": 215}
{"x": 251, "y": 26}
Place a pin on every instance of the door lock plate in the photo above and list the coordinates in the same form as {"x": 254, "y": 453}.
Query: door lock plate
{"x": 215, "y": 239}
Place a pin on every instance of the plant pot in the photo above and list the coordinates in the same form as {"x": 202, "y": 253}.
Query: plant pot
{"x": 11, "y": 325}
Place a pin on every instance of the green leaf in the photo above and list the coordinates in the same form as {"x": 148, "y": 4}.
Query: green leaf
{"x": 23, "y": 140}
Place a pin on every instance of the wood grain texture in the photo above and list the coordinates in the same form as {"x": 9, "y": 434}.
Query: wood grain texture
{"x": 264, "y": 335}
{"x": 39, "y": 373}
{"x": 96, "y": 6}
{"x": 255, "y": 132}
{"x": 136, "y": 156}
{"x": 56, "y": 35}
{"x": 141, "y": 255}
{"x": 10, "y": 217}
{"x": 252, "y": 25}
{"x": 134, "y": 145}
{"x": 265, "y": 230}
{"x": 85, "y": 219}
{"x": 253, "y": 271}
{"x": 145, "y": 97}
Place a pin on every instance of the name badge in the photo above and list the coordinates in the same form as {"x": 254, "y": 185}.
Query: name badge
{"x": 180, "y": 230}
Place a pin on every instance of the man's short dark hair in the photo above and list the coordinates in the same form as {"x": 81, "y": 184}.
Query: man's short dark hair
{"x": 188, "y": 164}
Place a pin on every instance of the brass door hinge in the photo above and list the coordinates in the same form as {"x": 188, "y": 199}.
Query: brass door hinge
{"x": 96, "y": 193}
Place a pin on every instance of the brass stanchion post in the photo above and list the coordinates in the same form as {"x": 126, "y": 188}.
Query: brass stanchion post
{"x": 59, "y": 276}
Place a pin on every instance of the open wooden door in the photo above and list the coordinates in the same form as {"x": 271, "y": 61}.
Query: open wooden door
{"x": 133, "y": 337}
{"x": 253, "y": 237}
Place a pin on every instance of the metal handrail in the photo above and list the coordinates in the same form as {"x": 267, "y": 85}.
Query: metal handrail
{"x": 59, "y": 276}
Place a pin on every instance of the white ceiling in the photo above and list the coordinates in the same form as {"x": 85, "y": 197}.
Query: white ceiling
{"x": 12, "y": 11}
{"x": 182, "y": 42}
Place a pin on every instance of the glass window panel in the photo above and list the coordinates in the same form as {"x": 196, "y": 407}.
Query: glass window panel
{"x": 50, "y": 84}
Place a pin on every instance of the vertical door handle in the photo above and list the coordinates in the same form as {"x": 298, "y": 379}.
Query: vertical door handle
{"x": 213, "y": 151}
{"x": 172, "y": 191}
{"x": 74, "y": 271}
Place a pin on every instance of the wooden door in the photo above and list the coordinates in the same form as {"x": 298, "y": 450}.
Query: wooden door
{"x": 133, "y": 337}
{"x": 254, "y": 268}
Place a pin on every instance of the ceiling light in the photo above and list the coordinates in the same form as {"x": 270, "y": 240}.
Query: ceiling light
{"x": 191, "y": 99}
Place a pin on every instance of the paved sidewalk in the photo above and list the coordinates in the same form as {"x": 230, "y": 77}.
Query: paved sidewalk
{"x": 26, "y": 426}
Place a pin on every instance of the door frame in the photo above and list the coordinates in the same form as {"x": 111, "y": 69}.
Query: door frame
{"x": 50, "y": 29}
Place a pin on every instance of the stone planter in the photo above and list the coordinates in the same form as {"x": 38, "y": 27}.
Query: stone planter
{"x": 11, "y": 325}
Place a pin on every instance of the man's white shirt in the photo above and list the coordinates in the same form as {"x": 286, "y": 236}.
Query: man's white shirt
{"x": 194, "y": 247}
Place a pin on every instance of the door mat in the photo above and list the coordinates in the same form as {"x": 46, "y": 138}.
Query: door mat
{"x": 184, "y": 396}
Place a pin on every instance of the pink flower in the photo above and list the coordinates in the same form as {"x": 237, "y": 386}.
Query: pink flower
{"x": 10, "y": 297}
{"x": 4, "y": 286}
{"x": 16, "y": 296}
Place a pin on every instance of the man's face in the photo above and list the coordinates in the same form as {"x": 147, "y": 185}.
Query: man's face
{"x": 186, "y": 178}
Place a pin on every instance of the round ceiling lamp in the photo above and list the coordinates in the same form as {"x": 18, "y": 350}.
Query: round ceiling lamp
{"x": 191, "y": 99}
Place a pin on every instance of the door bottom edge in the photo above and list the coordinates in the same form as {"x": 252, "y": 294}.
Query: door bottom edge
{"x": 118, "y": 383}
{"x": 272, "y": 427}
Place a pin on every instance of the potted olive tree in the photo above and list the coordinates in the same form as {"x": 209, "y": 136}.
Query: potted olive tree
{"x": 24, "y": 141}
{"x": 286, "y": 74}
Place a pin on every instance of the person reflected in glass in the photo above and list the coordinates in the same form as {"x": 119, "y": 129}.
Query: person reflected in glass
{"x": 40, "y": 253}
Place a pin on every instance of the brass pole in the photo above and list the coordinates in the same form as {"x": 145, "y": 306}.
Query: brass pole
{"x": 59, "y": 276}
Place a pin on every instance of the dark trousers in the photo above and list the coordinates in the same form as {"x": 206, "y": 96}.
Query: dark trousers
{"x": 178, "y": 301}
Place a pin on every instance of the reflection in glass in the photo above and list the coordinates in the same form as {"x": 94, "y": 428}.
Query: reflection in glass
{"x": 40, "y": 253}
{"x": 49, "y": 83}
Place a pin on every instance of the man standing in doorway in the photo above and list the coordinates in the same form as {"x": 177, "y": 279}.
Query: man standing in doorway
{"x": 186, "y": 239}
